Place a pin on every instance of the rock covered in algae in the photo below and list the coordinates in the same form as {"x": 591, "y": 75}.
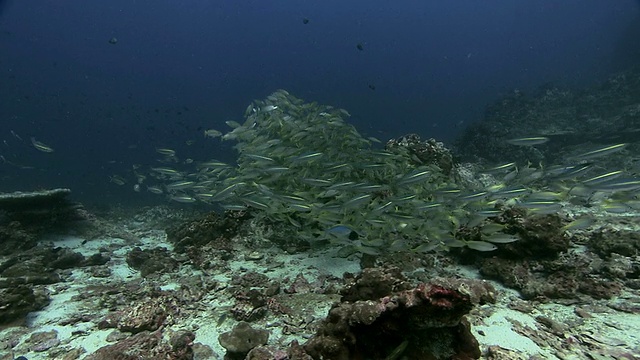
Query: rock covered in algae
{"x": 148, "y": 345}
{"x": 151, "y": 261}
{"x": 17, "y": 301}
{"x": 423, "y": 322}
{"x": 147, "y": 315}
{"x": 210, "y": 230}
{"x": 16, "y": 238}
{"x": 239, "y": 341}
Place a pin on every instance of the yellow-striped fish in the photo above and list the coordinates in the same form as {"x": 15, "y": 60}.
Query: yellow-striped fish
{"x": 41, "y": 146}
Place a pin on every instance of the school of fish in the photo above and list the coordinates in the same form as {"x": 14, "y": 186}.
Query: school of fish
{"x": 303, "y": 164}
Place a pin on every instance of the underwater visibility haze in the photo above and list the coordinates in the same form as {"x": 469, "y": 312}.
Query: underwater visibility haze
{"x": 106, "y": 83}
{"x": 319, "y": 180}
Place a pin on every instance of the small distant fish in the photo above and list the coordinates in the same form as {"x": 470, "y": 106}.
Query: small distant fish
{"x": 305, "y": 21}
{"x": 499, "y": 168}
{"x": 276, "y": 169}
{"x": 429, "y": 206}
{"x": 367, "y": 250}
{"x": 360, "y": 47}
{"x": 340, "y": 231}
{"x": 140, "y": 178}
{"x": 307, "y": 156}
{"x": 154, "y": 190}
{"x": 233, "y": 124}
{"x": 16, "y": 135}
{"x": 510, "y": 175}
{"x": 117, "y": 179}
{"x": 316, "y": 182}
{"x": 601, "y": 151}
{"x": 226, "y": 192}
{"x": 414, "y": 177}
{"x": 180, "y": 185}
{"x": 113, "y": 41}
{"x": 166, "y": 152}
{"x": 234, "y": 207}
{"x": 255, "y": 203}
{"x": 501, "y": 238}
{"x": 492, "y": 228}
{"x": 427, "y": 247}
{"x": 579, "y": 224}
{"x": 568, "y": 172}
{"x": 357, "y": 201}
{"x": 602, "y": 178}
{"x": 212, "y": 164}
{"x": 615, "y": 207}
{"x": 481, "y": 246}
{"x": 626, "y": 184}
{"x": 398, "y": 351}
{"x": 488, "y": 213}
{"x": 372, "y": 87}
{"x": 259, "y": 157}
{"x": 212, "y": 133}
{"x": 511, "y": 192}
{"x": 165, "y": 171}
{"x": 528, "y": 141}
{"x": 299, "y": 207}
{"x": 221, "y": 319}
{"x": 41, "y": 146}
{"x": 474, "y": 196}
{"x": 183, "y": 199}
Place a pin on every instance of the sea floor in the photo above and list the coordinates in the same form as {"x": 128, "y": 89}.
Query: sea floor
{"x": 72, "y": 325}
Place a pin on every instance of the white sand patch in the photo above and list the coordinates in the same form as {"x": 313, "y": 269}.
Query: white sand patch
{"x": 122, "y": 272}
{"x": 279, "y": 265}
{"x": 208, "y": 334}
{"x": 60, "y": 308}
{"x": 498, "y": 331}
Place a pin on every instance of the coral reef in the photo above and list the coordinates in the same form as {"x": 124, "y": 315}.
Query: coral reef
{"x": 541, "y": 264}
{"x": 428, "y": 152}
{"x": 539, "y": 236}
{"x": 605, "y": 113}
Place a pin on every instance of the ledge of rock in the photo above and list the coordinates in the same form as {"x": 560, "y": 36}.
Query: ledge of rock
{"x": 26, "y": 215}
{"x": 19, "y": 201}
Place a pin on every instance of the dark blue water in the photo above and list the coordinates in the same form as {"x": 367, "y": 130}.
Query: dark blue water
{"x": 428, "y": 67}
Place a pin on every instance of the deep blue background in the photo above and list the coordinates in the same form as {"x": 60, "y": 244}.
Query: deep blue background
{"x": 180, "y": 66}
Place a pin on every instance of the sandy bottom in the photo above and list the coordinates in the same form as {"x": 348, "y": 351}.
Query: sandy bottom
{"x": 527, "y": 329}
